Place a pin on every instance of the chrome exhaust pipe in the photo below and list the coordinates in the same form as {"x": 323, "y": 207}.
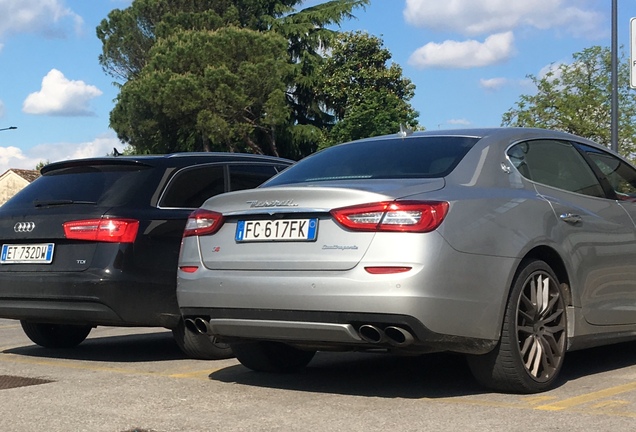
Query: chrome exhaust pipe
{"x": 191, "y": 326}
{"x": 398, "y": 336}
{"x": 203, "y": 326}
{"x": 371, "y": 334}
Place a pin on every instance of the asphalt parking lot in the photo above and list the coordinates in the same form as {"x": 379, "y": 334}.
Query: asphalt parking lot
{"x": 137, "y": 379}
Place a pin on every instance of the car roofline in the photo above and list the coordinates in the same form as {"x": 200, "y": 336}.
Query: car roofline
{"x": 146, "y": 160}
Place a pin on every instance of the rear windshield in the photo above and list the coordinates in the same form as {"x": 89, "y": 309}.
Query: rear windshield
{"x": 104, "y": 185}
{"x": 395, "y": 158}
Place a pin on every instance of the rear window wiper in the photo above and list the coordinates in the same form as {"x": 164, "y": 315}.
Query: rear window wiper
{"x": 59, "y": 202}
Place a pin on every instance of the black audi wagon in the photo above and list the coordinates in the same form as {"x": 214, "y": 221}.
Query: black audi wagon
{"x": 96, "y": 241}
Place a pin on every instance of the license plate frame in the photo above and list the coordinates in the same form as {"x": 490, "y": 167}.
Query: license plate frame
{"x": 34, "y": 253}
{"x": 277, "y": 230}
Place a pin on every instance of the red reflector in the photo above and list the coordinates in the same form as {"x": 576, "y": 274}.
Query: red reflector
{"x": 188, "y": 269}
{"x": 203, "y": 222}
{"x": 387, "y": 270}
{"x": 102, "y": 230}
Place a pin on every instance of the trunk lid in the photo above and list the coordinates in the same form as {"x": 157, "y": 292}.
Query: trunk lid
{"x": 333, "y": 248}
{"x": 43, "y": 229}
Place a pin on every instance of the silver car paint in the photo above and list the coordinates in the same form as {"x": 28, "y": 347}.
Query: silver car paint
{"x": 457, "y": 287}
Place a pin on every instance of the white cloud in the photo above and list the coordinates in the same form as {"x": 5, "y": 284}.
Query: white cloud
{"x": 493, "y": 83}
{"x": 61, "y": 96}
{"x": 459, "y": 122}
{"x": 553, "y": 70}
{"x": 13, "y": 157}
{"x": 470, "y": 17}
{"x": 1, "y": 109}
{"x": 45, "y": 17}
{"x": 467, "y": 54}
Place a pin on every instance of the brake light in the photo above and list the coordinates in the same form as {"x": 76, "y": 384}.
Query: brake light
{"x": 403, "y": 216}
{"x": 102, "y": 230}
{"x": 203, "y": 222}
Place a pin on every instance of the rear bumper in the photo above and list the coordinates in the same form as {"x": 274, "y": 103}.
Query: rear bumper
{"x": 332, "y": 331}
{"x": 455, "y": 302}
{"x": 92, "y": 297}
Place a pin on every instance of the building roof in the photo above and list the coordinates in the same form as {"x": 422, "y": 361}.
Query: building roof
{"x": 28, "y": 175}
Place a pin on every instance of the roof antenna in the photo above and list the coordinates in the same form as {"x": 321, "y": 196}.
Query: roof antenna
{"x": 404, "y": 131}
{"x": 116, "y": 152}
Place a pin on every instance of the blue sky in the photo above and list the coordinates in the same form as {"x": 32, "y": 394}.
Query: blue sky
{"x": 468, "y": 59}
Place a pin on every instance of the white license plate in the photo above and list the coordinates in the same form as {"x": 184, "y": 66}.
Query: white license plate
{"x": 277, "y": 230}
{"x": 41, "y": 253}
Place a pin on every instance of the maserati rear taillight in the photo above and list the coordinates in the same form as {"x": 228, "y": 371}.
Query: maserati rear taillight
{"x": 203, "y": 222}
{"x": 402, "y": 216}
{"x": 102, "y": 230}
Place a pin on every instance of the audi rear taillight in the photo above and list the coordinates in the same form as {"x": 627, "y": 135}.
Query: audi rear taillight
{"x": 203, "y": 222}
{"x": 402, "y": 216}
{"x": 102, "y": 230}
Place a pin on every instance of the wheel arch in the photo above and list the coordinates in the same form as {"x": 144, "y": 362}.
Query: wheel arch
{"x": 552, "y": 258}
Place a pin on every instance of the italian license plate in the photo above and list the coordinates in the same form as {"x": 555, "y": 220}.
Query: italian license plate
{"x": 41, "y": 253}
{"x": 277, "y": 230}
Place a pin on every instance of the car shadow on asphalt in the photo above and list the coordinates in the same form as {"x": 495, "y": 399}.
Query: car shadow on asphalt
{"x": 373, "y": 375}
{"x": 439, "y": 375}
{"x": 132, "y": 348}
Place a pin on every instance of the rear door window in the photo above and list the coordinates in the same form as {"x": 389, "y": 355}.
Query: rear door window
{"x": 557, "y": 164}
{"x": 192, "y": 186}
{"x": 249, "y": 176}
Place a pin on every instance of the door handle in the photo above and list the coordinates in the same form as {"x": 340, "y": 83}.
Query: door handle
{"x": 570, "y": 218}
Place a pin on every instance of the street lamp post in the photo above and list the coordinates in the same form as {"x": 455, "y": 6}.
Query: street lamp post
{"x": 614, "y": 101}
{"x": 9, "y": 128}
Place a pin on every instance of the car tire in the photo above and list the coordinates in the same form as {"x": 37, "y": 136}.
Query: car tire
{"x": 55, "y": 335}
{"x": 200, "y": 346}
{"x": 532, "y": 347}
{"x": 265, "y": 356}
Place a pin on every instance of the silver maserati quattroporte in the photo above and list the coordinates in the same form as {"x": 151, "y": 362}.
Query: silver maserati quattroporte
{"x": 510, "y": 245}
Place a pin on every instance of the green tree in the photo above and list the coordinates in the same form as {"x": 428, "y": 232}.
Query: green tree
{"x": 129, "y": 38}
{"x": 127, "y": 35}
{"x": 367, "y": 96}
{"x": 576, "y": 98}
{"x": 208, "y": 90}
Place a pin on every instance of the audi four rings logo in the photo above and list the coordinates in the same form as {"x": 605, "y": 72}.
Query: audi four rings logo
{"x": 24, "y": 227}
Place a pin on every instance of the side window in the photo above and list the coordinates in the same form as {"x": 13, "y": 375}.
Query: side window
{"x": 620, "y": 175}
{"x": 250, "y": 176}
{"x": 557, "y": 164}
{"x": 192, "y": 186}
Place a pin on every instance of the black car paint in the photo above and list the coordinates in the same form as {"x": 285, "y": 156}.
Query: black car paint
{"x": 104, "y": 283}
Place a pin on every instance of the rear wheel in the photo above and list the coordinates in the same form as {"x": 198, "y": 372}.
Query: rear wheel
{"x": 530, "y": 353}
{"x": 200, "y": 346}
{"x": 55, "y": 335}
{"x": 268, "y": 356}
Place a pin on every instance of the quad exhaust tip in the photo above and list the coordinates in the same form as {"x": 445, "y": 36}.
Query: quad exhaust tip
{"x": 393, "y": 335}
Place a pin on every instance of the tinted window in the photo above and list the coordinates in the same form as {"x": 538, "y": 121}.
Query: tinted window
{"x": 192, "y": 186}
{"x": 557, "y": 164}
{"x": 620, "y": 175}
{"x": 107, "y": 185}
{"x": 251, "y": 176}
{"x": 411, "y": 157}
